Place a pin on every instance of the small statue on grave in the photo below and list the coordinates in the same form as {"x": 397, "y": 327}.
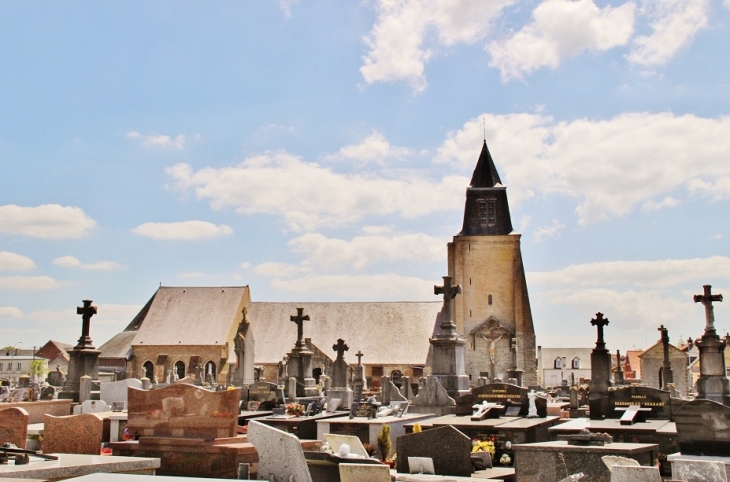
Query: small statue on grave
{"x": 532, "y": 410}
{"x": 169, "y": 377}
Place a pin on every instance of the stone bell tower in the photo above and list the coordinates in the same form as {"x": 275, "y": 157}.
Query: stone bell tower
{"x": 493, "y": 313}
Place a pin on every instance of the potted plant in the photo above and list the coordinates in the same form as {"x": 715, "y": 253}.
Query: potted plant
{"x": 385, "y": 446}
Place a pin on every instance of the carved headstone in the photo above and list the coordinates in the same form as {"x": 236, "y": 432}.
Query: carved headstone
{"x": 280, "y": 454}
{"x": 73, "y": 434}
{"x": 84, "y": 358}
{"x": 448, "y": 447}
{"x": 713, "y": 383}
{"x": 340, "y": 388}
{"x": 13, "y": 426}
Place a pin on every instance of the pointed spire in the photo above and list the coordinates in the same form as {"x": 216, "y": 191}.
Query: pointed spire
{"x": 485, "y": 174}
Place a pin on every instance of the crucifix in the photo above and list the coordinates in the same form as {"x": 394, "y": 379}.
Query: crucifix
{"x": 299, "y": 319}
{"x": 86, "y": 312}
{"x": 359, "y": 356}
{"x": 449, "y": 293}
{"x": 599, "y": 321}
{"x": 706, "y": 299}
{"x": 340, "y": 348}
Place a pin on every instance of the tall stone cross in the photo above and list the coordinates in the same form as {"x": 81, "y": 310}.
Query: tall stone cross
{"x": 86, "y": 312}
{"x": 340, "y": 348}
{"x": 706, "y": 299}
{"x": 599, "y": 321}
{"x": 665, "y": 336}
{"x": 449, "y": 293}
{"x": 359, "y": 356}
{"x": 299, "y": 319}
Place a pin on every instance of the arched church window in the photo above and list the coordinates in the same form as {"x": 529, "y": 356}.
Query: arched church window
{"x": 558, "y": 363}
{"x": 576, "y": 363}
{"x": 210, "y": 370}
{"x": 180, "y": 369}
{"x": 395, "y": 377}
{"x": 149, "y": 369}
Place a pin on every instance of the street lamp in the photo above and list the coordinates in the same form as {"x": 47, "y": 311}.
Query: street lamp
{"x": 12, "y": 358}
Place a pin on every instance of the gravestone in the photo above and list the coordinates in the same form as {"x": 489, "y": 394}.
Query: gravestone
{"x": 13, "y": 426}
{"x": 449, "y": 448}
{"x": 703, "y": 428}
{"x": 406, "y": 388}
{"x": 243, "y": 344}
{"x": 73, "y": 434}
{"x": 626, "y": 473}
{"x": 280, "y": 454}
{"x": 183, "y": 411}
{"x": 433, "y": 398}
{"x": 48, "y": 392}
{"x": 92, "y": 406}
{"x": 600, "y": 373}
{"x": 657, "y": 400}
{"x": 340, "y": 388}
{"x": 514, "y": 399}
{"x": 447, "y": 364}
{"x": 56, "y": 377}
{"x": 17, "y": 395}
{"x": 364, "y": 473}
{"x": 360, "y": 370}
{"x": 683, "y": 468}
{"x": 266, "y": 393}
{"x": 389, "y": 392}
{"x": 713, "y": 383}
{"x": 83, "y": 358}
{"x": 299, "y": 361}
{"x": 117, "y": 391}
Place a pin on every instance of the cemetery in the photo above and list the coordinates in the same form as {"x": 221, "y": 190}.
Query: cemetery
{"x": 475, "y": 413}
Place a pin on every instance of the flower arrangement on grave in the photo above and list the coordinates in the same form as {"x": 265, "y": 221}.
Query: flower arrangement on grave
{"x": 505, "y": 459}
{"x": 417, "y": 428}
{"x": 481, "y": 445}
{"x": 295, "y": 409}
{"x": 384, "y": 443}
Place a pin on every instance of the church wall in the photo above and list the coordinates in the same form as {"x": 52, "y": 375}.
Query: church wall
{"x": 484, "y": 266}
{"x": 178, "y": 352}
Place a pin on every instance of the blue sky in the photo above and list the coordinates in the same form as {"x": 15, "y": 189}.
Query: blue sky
{"x": 319, "y": 151}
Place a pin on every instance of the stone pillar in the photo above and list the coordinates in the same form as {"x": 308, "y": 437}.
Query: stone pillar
{"x": 618, "y": 376}
{"x": 84, "y": 388}
{"x": 146, "y": 382}
{"x": 600, "y": 373}
{"x": 713, "y": 383}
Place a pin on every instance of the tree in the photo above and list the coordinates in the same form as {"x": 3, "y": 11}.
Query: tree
{"x": 38, "y": 368}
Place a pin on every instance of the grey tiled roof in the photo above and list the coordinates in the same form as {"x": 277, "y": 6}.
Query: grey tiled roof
{"x": 117, "y": 346}
{"x": 191, "y": 315}
{"x": 387, "y": 333}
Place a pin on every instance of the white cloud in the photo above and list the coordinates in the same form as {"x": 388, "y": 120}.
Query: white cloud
{"x": 72, "y": 262}
{"x": 382, "y": 287}
{"x": 10, "y": 312}
{"x": 396, "y": 41}
{"x": 13, "y": 261}
{"x": 609, "y": 166}
{"x": 561, "y": 29}
{"x": 49, "y": 221}
{"x": 674, "y": 24}
{"x": 667, "y": 202}
{"x": 374, "y": 148}
{"x": 160, "y": 140}
{"x": 27, "y": 282}
{"x": 648, "y": 274}
{"x": 362, "y": 251}
{"x": 550, "y": 231}
{"x": 186, "y": 230}
{"x": 286, "y": 5}
{"x": 282, "y": 183}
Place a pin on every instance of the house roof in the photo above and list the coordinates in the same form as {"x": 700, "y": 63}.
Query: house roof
{"x": 387, "y": 333}
{"x": 118, "y": 346}
{"x": 191, "y": 315}
{"x": 634, "y": 361}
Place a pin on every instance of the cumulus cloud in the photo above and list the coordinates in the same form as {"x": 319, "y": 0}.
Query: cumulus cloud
{"x": 374, "y": 148}
{"x": 561, "y": 29}
{"x": 185, "y": 231}
{"x": 13, "y": 261}
{"x": 550, "y": 231}
{"x": 72, "y": 262}
{"x": 381, "y": 287}
{"x": 286, "y": 6}
{"x": 49, "y": 221}
{"x": 27, "y": 282}
{"x": 160, "y": 140}
{"x": 648, "y": 274}
{"x": 674, "y": 24}
{"x": 396, "y": 41}
{"x": 609, "y": 166}
{"x": 362, "y": 251}
{"x": 10, "y": 313}
{"x": 281, "y": 183}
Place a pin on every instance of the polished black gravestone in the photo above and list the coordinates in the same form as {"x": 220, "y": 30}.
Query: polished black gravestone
{"x": 266, "y": 393}
{"x": 514, "y": 398}
{"x": 449, "y": 448}
{"x": 657, "y": 401}
{"x": 703, "y": 428}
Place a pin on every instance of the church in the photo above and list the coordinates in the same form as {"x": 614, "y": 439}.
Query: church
{"x": 219, "y": 334}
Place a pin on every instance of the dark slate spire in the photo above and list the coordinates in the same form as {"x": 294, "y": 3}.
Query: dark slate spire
{"x": 485, "y": 174}
{"x": 486, "y": 212}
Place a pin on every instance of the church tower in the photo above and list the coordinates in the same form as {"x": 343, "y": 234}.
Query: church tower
{"x": 493, "y": 313}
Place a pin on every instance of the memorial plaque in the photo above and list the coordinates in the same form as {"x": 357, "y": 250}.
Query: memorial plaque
{"x": 657, "y": 400}
{"x": 364, "y": 410}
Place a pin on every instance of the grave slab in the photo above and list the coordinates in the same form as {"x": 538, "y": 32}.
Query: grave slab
{"x": 449, "y": 448}
{"x": 92, "y": 406}
{"x": 75, "y": 465}
{"x": 367, "y": 430}
{"x": 280, "y": 454}
{"x": 695, "y": 468}
{"x": 625, "y": 473}
{"x": 14, "y": 427}
{"x": 364, "y": 473}
{"x": 117, "y": 391}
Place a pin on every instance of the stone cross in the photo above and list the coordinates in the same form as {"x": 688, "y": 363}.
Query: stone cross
{"x": 706, "y": 299}
{"x": 359, "y": 356}
{"x": 299, "y": 319}
{"x": 667, "y": 376}
{"x": 340, "y": 348}
{"x": 86, "y": 312}
{"x": 599, "y": 321}
{"x": 449, "y": 293}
